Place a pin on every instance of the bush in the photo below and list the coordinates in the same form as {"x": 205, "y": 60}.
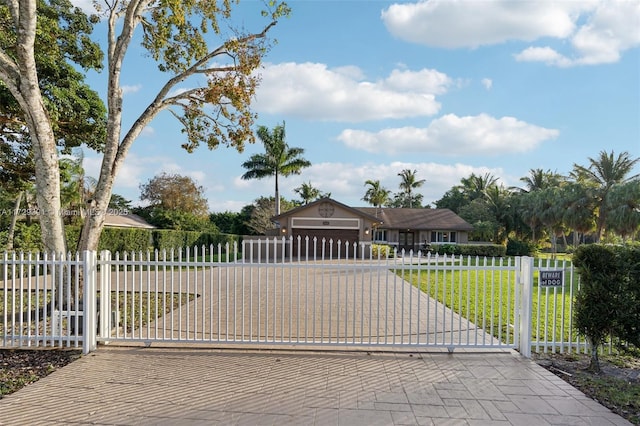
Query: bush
{"x": 381, "y": 250}
{"x": 481, "y": 250}
{"x": 125, "y": 240}
{"x": 134, "y": 239}
{"x": 520, "y": 248}
{"x": 608, "y": 301}
{"x": 27, "y": 238}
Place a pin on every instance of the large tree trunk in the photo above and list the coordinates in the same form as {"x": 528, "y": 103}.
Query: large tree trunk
{"x": 44, "y": 146}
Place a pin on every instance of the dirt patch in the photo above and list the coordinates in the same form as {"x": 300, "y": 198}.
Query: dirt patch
{"x": 616, "y": 386}
{"x": 19, "y": 367}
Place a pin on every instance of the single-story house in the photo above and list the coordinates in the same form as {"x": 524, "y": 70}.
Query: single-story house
{"x": 413, "y": 229}
{"x": 408, "y": 229}
{"x": 128, "y": 220}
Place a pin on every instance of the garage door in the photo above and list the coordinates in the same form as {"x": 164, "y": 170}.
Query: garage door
{"x": 343, "y": 235}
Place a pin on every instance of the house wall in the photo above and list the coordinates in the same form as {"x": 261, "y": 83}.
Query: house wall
{"x": 340, "y": 219}
{"x": 422, "y": 237}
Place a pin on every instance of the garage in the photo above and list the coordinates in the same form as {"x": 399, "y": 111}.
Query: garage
{"x": 328, "y": 220}
{"x": 344, "y": 236}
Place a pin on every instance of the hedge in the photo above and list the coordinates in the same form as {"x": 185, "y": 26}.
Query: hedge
{"x": 136, "y": 240}
{"x": 608, "y": 301}
{"x": 482, "y": 250}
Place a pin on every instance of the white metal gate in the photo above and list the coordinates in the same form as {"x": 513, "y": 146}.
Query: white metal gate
{"x": 207, "y": 297}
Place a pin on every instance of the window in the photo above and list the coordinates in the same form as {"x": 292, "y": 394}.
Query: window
{"x": 443, "y": 237}
{"x": 380, "y": 235}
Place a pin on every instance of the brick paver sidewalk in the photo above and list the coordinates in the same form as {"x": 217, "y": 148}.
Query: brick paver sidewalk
{"x": 151, "y": 386}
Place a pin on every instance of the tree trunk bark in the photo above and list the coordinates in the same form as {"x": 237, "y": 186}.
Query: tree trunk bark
{"x": 277, "y": 200}
{"x": 45, "y": 151}
{"x": 594, "y": 364}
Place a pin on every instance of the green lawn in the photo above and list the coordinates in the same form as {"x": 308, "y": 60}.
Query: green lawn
{"x": 486, "y": 297}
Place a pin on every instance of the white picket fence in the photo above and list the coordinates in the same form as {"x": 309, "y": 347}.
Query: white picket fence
{"x": 238, "y": 295}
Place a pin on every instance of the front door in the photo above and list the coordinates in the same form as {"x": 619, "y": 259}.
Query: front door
{"x": 407, "y": 240}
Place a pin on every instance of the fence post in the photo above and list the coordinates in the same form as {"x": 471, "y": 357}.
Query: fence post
{"x": 89, "y": 329}
{"x": 105, "y": 295}
{"x": 526, "y": 298}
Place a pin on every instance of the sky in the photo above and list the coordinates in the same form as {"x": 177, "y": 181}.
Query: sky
{"x": 444, "y": 88}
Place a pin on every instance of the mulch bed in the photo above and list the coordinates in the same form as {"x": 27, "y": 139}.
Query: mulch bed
{"x": 19, "y": 367}
{"x": 616, "y": 386}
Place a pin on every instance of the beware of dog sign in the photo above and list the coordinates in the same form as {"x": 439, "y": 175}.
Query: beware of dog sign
{"x": 551, "y": 278}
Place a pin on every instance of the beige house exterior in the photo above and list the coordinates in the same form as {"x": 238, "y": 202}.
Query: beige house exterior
{"x": 406, "y": 229}
{"x": 128, "y": 220}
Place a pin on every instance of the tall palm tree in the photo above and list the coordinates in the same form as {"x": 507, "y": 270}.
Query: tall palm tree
{"x": 76, "y": 188}
{"x": 539, "y": 179}
{"x": 307, "y": 192}
{"x": 475, "y": 186}
{"x": 579, "y": 210}
{"x": 376, "y": 195}
{"x": 278, "y": 159}
{"x": 409, "y": 183}
{"x": 499, "y": 200}
{"x": 623, "y": 205}
{"x": 603, "y": 173}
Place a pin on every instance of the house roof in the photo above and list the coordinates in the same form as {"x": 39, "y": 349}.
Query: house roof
{"x": 126, "y": 221}
{"x": 432, "y": 219}
{"x": 358, "y": 212}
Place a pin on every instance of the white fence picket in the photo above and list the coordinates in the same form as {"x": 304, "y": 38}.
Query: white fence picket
{"x": 262, "y": 292}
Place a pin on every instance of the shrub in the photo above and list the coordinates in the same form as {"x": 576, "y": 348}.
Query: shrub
{"x": 481, "y": 250}
{"x": 27, "y": 238}
{"x": 520, "y": 248}
{"x": 608, "y": 301}
{"x": 381, "y": 250}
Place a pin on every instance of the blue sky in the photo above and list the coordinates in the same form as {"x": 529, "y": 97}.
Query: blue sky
{"x": 446, "y": 88}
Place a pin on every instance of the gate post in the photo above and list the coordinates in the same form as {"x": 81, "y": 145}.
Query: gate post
{"x": 89, "y": 329}
{"x": 526, "y": 296}
{"x": 105, "y": 296}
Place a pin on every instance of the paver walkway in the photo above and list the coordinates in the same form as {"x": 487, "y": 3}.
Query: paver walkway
{"x": 169, "y": 386}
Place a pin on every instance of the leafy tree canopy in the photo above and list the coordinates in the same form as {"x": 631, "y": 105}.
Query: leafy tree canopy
{"x": 175, "y": 192}
{"x": 78, "y": 115}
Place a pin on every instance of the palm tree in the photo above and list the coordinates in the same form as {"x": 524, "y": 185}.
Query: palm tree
{"x": 278, "y": 160}
{"x": 76, "y": 188}
{"x": 307, "y": 192}
{"x": 476, "y": 186}
{"x": 539, "y": 179}
{"x": 623, "y": 205}
{"x": 603, "y": 173}
{"x": 409, "y": 183}
{"x": 376, "y": 195}
{"x": 579, "y": 212}
{"x": 499, "y": 200}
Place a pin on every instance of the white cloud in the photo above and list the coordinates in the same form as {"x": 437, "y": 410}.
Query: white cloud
{"x": 464, "y": 23}
{"x": 543, "y": 54}
{"x": 346, "y": 181}
{"x": 86, "y": 5}
{"x": 612, "y": 29}
{"x": 487, "y": 83}
{"x": 126, "y": 89}
{"x": 597, "y": 31}
{"x": 313, "y": 91}
{"x": 148, "y": 131}
{"x": 454, "y": 136}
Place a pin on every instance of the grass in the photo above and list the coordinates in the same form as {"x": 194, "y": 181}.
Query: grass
{"x": 486, "y": 297}
{"x": 616, "y": 386}
{"x": 138, "y": 308}
{"x": 614, "y": 393}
